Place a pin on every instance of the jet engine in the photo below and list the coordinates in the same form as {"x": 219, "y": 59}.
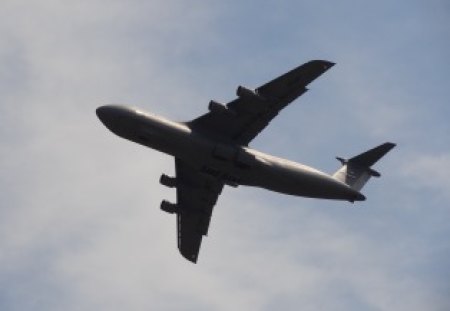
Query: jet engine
{"x": 168, "y": 181}
{"x": 216, "y": 107}
{"x": 247, "y": 93}
{"x": 169, "y": 207}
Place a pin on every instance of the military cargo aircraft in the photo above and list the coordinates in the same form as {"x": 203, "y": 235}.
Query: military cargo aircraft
{"x": 212, "y": 151}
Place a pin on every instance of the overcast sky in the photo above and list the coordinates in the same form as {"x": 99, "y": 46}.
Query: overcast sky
{"x": 80, "y": 224}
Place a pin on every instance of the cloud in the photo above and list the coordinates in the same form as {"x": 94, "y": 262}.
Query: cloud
{"x": 429, "y": 171}
{"x": 80, "y": 226}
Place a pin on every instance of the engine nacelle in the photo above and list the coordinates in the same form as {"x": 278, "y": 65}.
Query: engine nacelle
{"x": 216, "y": 107}
{"x": 168, "y": 181}
{"x": 168, "y": 207}
{"x": 247, "y": 93}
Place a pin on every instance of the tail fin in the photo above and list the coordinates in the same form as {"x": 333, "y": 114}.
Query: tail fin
{"x": 356, "y": 171}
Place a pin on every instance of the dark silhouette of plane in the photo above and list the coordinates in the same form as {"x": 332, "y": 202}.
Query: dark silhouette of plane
{"x": 212, "y": 151}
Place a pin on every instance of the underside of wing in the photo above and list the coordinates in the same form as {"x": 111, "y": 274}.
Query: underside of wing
{"x": 197, "y": 194}
{"x": 241, "y": 120}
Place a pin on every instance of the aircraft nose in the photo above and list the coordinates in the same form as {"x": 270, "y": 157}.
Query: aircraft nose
{"x": 106, "y": 114}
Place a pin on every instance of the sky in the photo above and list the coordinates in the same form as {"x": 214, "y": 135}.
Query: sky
{"x": 80, "y": 224}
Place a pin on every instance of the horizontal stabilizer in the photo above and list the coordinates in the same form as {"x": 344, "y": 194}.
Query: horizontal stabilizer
{"x": 356, "y": 171}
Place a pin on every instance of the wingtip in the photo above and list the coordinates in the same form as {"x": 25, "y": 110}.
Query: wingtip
{"x": 325, "y": 63}
{"x": 389, "y": 145}
{"x": 193, "y": 259}
{"x": 329, "y": 64}
{"x": 190, "y": 257}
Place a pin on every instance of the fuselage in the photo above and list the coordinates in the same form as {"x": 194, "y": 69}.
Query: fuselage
{"x": 231, "y": 163}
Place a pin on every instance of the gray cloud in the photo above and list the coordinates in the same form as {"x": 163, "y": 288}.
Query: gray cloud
{"x": 80, "y": 227}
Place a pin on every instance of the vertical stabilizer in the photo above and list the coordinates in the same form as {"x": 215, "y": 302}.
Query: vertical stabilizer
{"x": 356, "y": 171}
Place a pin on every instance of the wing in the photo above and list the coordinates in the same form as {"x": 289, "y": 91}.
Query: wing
{"x": 197, "y": 194}
{"x": 242, "y": 119}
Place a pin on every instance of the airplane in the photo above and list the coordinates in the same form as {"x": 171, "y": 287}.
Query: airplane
{"x": 213, "y": 150}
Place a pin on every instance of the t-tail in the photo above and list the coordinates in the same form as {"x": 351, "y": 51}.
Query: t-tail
{"x": 356, "y": 171}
